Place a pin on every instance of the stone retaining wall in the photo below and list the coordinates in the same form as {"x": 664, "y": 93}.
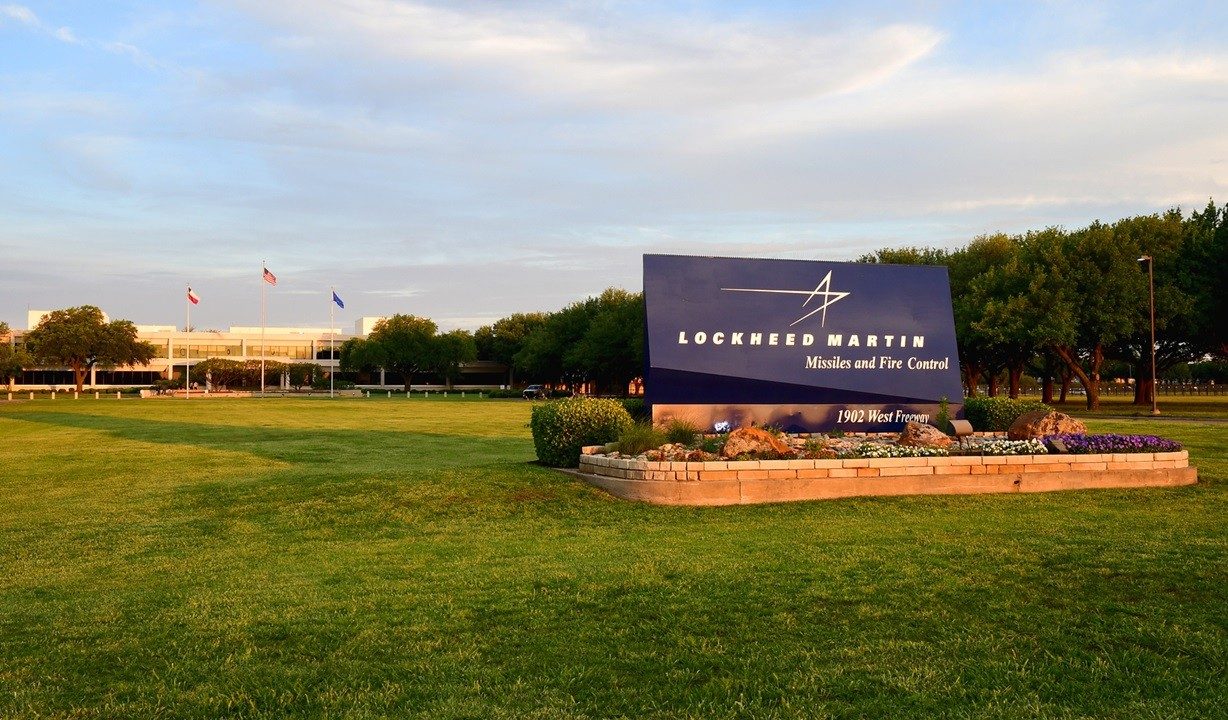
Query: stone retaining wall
{"x": 761, "y": 481}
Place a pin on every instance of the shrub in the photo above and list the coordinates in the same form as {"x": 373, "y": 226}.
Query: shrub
{"x": 636, "y": 408}
{"x": 714, "y": 444}
{"x": 681, "y": 432}
{"x": 163, "y": 384}
{"x": 943, "y": 420}
{"x": 503, "y": 394}
{"x": 998, "y": 413}
{"x": 1079, "y": 444}
{"x": 638, "y": 438}
{"x": 561, "y": 427}
{"x": 303, "y": 374}
{"x": 338, "y": 384}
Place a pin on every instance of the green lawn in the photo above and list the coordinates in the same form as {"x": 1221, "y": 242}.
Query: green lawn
{"x": 403, "y": 558}
{"x": 1178, "y": 406}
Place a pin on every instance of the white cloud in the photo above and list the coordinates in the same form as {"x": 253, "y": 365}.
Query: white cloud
{"x": 65, "y": 34}
{"x": 20, "y": 13}
{"x": 681, "y": 66}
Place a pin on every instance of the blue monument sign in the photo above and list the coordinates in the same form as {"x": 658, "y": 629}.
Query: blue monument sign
{"x": 803, "y": 345}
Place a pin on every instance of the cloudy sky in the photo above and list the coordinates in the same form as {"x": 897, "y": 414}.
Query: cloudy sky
{"x": 465, "y": 160}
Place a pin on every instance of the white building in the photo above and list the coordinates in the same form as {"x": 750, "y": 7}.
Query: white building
{"x": 176, "y": 349}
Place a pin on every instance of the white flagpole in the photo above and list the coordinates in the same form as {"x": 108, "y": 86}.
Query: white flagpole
{"x": 187, "y": 349}
{"x": 332, "y": 338}
{"x": 263, "y": 270}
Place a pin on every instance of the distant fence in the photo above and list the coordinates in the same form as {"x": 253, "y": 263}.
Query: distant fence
{"x": 1164, "y": 387}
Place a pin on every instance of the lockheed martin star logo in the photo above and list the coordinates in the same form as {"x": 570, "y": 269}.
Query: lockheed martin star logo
{"x": 823, "y": 288}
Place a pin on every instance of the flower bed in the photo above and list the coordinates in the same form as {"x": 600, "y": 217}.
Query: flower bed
{"x": 1112, "y": 443}
{"x": 861, "y": 467}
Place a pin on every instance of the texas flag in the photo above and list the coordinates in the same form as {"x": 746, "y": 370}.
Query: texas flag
{"x": 269, "y": 277}
{"x": 193, "y": 297}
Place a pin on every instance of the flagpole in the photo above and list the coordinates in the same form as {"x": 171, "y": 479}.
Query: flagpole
{"x": 187, "y": 350}
{"x": 263, "y": 270}
{"x": 332, "y": 339}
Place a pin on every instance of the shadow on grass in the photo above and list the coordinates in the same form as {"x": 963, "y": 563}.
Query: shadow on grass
{"x": 383, "y": 448}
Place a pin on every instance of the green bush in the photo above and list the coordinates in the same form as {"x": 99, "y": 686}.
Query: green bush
{"x": 638, "y": 438}
{"x": 504, "y": 394}
{"x": 636, "y": 408}
{"x": 998, "y": 413}
{"x": 561, "y": 427}
{"x": 681, "y": 431}
{"x": 338, "y": 384}
{"x": 714, "y": 444}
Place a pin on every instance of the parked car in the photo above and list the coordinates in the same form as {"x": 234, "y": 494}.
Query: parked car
{"x": 535, "y": 392}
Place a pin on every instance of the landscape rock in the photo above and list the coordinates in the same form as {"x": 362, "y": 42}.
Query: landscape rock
{"x": 1040, "y": 423}
{"x": 917, "y": 434}
{"x": 754, "y": 440}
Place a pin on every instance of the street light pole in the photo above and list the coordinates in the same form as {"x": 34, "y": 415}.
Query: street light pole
{"x": 1151, "y": 285}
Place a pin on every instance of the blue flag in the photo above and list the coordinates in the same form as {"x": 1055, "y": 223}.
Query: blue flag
{"x": 337, "y": 300}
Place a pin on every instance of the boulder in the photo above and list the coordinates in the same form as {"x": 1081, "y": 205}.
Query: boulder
{"x": 921, "y": 435}
{"x": 1040, "y": 423}
{"x": 754, "y": 440}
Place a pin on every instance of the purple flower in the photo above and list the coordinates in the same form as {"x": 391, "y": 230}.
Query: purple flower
{"x": 1081, "y": 444}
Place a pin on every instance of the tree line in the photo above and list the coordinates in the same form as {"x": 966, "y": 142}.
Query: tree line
{"x": 1054, "y": 303}
{"x": 1059, "y": 304}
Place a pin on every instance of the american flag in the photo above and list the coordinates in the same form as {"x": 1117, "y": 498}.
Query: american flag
{"x": 269, "y": 277}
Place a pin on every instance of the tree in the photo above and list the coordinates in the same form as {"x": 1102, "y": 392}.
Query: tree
{"x": 977, "y": 356}
{"x": 907, "y": 256}
{"x": 1002, "y": 295}
{"x": 599, "y": 340}
{"x": 12, "y": 360}
{"x": 1166, "y": 238}
{"x": 540, "y": 359}
{"x": 80, "y": 338}
{"x": 1207, "y": 251}
{"x": 359, "y": 354}
{"x": 611, "y": 350}
{"x": 1083, "y": 299}
{"x": 506, "y": 337}
{"x": 303, "y": 374}
{"x": 453, "y": 349}
{"x": 402, "y": 343}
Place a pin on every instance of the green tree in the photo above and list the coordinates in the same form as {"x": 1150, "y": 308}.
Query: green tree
{"x": 303, "y": 374}
{"x": 978, "y": 357}
{"x": 599, "y": 340}
{"x": 501, "y": 341}
{"x": 405, "y": 344}
{"x": 359, "y": 354}
{"x": 80, "y": 338}
{"x": 1179, "y": 327}
{"x": 610, "y": 353}
{"x": 997, "y": 307}
{"x": 1084, "y": 298}
{"x": 451, "y": 350}
{"x": 907, "y": 256}
{"x": 1207, "y": 255}
{"x": 12, "y": 360}
{"x": 541, "y": 358}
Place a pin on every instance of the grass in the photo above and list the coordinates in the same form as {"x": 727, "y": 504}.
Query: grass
{"x": 403, "y": 558}
{"x": 1178, "y": 406}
